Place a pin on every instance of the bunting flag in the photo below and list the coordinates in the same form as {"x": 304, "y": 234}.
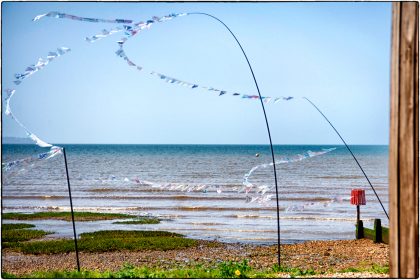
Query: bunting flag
{"x": 30, "y": 70}
{"x": 302, "y": 207}
{"x": 258, "y": 193}
{"x": 62, "y": 15}
{"x": 136, "y": 28}
{"x": 298, "y": 157}
{"x": 9, "y": 95}
{"x": 187, "y": 187}
{"x": 103, "y": 34}
{"x": 132, "y": 31}
{"x": 30, "y": 161}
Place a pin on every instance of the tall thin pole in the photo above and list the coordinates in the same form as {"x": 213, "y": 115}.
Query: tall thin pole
{"x": 268, "y": 130}
{"x": 348, "y": 148}
{"x": 72, "y": 212}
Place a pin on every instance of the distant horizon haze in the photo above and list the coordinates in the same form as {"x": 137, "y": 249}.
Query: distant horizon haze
{"x": 10, "y": 140}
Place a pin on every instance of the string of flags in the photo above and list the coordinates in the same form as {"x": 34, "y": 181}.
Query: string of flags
{"x": 63, "y": 15}
{"x": 291, "y": 159}
{"x": 105, "y": 33}
{"x": 260, "y": 191}
{"x": 308, "y": 205}
{"x": 254, "y": 193}
{"x": 31, "y": 161}
{"x": 40, "y": 64}
{"x": 132, "y": 31}
{"x": 29, "y": 71}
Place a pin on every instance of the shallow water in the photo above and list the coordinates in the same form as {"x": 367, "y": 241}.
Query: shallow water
{"x": 97, "y": 174}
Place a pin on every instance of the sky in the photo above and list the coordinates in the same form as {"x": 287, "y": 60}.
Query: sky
{"x": 336, "y": 54}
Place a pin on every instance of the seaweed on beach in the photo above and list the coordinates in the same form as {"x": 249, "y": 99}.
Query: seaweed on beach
{"x": 16, "y": 226}
{"x": 107, "y": 241}
{"x": 22, "y": 235}
{"x": 139, "y": 221}
{"x": 66, "y": 216}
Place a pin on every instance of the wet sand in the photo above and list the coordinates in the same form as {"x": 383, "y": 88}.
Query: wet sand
{"x": 322, "y": 256}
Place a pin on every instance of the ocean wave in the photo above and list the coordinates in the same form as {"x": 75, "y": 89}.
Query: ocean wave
{"x": 191, "y": 230}
{"x": 117, "y": 197}
{"x": 341, "y": 177}
{"x": 236, "y": 197}
{"x": 208, "y": 208}
{"x": 67, "y": 208}
{"x": 34, "y": 197}
{"x": 342, "y": 219}
{"x": 205, "y": 224}
{"x": 164, "y": 197}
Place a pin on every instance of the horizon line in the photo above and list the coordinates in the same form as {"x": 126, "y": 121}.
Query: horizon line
{"x": 214, "y": 144}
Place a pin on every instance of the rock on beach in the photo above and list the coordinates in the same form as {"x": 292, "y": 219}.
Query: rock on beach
{"x": 323, "y": 256}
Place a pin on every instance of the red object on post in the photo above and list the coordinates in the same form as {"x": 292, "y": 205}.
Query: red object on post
{"x": 358, "y": 197}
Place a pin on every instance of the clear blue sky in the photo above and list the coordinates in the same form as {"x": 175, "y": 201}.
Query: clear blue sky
{"x": 337, "y": 54}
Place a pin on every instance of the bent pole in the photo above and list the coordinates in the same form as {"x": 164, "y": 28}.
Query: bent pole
{"x": 348, "y": 148}
{"x": 266, "y": 123}
{"x": 72, "y": 213}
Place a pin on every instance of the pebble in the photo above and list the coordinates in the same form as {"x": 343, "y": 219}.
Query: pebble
{"x": 314, "y": 254}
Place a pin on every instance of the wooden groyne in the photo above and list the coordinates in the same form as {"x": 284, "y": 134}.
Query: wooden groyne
{"x": 378, "y": 234}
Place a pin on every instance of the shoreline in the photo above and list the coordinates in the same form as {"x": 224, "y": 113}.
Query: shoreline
{"x": 348, "y": 258}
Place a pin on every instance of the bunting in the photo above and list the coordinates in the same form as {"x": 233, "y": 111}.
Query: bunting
{"x": 105, "y": 33}
{"x": 308, "y": 205}
{"x": 30, "y": 70}
{"x": 258, "y": 193}
{"x": 30, "y": 161}
{"x": 296, "y": 158}
{"x": 136, "y": 28}
{"x": 72, "y": 17}
{"x": 132, "y": 31}
{"x": 261, "y": 194}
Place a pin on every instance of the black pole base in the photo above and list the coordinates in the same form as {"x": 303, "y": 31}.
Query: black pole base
{"x": 72, "y": 212}
{"x": 359, "y": 230}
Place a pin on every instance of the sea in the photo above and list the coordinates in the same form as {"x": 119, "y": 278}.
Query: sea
{"x": 197, "y": 190}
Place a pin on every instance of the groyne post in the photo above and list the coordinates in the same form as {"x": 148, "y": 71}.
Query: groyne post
{"x": 378, "y": 234}
{"x": 377, "y": 227}
{"x": 359, "y": 230}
